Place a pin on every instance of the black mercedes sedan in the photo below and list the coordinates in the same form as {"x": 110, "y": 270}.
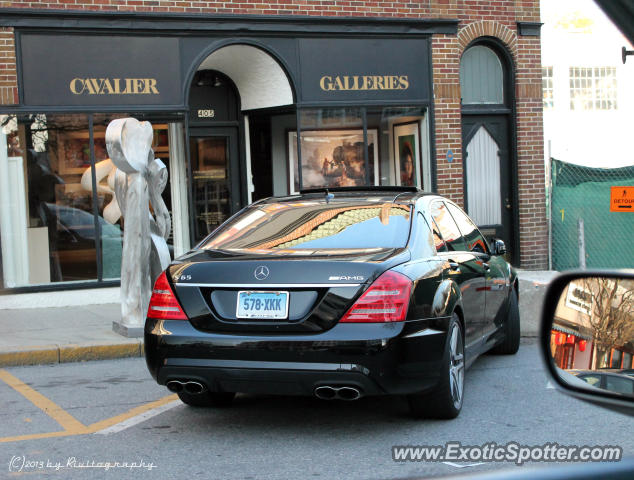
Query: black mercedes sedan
{"x": 334, "y": 293}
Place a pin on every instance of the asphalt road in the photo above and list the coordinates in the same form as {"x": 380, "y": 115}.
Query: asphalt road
{"x": 268, "y": 437}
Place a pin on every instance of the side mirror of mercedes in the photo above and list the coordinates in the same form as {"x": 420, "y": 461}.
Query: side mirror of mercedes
{"x": 498, "y": 247}
{"x": 587, "y": 336}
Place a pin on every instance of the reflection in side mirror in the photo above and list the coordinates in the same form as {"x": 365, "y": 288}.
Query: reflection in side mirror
{"x": 498, "y": 247}
{"x": 592, "y": 335}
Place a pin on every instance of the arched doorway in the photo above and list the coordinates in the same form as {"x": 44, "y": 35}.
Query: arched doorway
{"x": 229, "y": 84}
{"x": 487, "y": 137}
{"x": 214, "y": 153}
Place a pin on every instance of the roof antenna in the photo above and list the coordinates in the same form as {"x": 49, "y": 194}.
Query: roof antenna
{"x": 329, "y": 196}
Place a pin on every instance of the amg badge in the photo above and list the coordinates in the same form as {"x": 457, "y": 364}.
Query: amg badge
{"x": 356, "y": 278}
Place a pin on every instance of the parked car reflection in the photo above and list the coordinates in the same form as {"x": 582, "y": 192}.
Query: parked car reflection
{"x": 612, "y": 381}
{"x": 72, "y": 236}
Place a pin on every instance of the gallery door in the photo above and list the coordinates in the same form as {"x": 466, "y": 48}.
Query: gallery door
{"x": 215, "y": 152}
{"x": 215, "y": 189}
{"x": 488, "y": 194}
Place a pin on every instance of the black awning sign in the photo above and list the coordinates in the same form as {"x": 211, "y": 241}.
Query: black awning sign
{"x": 99, "y": 70}
{"x": 364, "y": 69}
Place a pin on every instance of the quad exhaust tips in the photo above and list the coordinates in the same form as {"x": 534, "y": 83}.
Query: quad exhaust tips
{"x": 187, "y": 386}
{"x": 326, "y": 392}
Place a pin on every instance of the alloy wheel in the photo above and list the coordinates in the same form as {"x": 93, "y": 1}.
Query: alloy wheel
{"x": 456, "y": 365}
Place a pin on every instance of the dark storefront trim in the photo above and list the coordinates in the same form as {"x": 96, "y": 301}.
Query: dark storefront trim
{"x": 529, "y": 29}
{"x": 95, "y": 210}
{"x": 222, "y": 42}
{"x": 305, "y": 93}
{"x": 183, "y": 23}
{"x": 62, "y": 286}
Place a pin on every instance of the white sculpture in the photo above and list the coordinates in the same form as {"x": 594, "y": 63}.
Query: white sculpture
{"x": 104, "y": 169}
{"x": 138, "y": 181}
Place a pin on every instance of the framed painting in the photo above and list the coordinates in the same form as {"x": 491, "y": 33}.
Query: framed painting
{"x": 332, "y": 158}
{"x": 407, "y": 154}
{"x": 73, "y": 152}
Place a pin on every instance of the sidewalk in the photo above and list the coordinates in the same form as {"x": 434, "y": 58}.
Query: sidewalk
{"x": 33, "y": 336}
{"x": 53, "y": 334}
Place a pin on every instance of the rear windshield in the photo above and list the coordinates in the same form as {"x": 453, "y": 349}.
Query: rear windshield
{"x": 302, "y": 226}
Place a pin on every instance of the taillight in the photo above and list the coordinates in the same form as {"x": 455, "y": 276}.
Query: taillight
{"x": 386, "y": 300}
{"x": 163, "y": 304}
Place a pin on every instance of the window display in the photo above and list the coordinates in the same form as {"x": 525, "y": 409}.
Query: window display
{"x": 58, "y": 221}
{"x": 333, "y": 158}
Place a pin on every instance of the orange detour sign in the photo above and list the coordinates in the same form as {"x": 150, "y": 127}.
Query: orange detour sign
{"x": 622, "y": 199}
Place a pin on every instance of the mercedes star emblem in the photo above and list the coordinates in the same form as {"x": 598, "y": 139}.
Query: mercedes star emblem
{"x": 261, "y": 272}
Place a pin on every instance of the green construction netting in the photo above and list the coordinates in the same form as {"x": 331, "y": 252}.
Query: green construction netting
{"x": 584, "y": 192}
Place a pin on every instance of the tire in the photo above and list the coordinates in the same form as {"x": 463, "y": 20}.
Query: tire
{"x": 511, "y": 343}
{"x": 445, "y": 401}
{"x": 207, "y": 399}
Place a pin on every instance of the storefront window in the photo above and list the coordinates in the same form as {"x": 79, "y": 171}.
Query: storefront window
{"x": 335, "y": 152}
{"x": 107, "y": 207}
{"x": 332, "y": 146}
{"x": 48, "y": 229}
{"x": 615, "y": 361}
{"x": 54, "y": 225}
{"x": 403, "y": 145}
{"x": 627, "y": 360}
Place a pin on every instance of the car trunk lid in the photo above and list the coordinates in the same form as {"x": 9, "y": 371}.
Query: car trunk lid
{"x": 318, "y": 289}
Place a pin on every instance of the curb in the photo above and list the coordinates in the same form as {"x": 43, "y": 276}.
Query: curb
{"x": 531, "y": 303}
{"x": 67, "y": 353}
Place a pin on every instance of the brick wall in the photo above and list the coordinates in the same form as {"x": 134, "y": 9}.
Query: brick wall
{"x": 477, "y": 18}
{"x": 496, "y": 19}
{"x": 8, "y": 74}
{"x": 412, "y": 8}
{"x": 530, "y": 152}
{"x": 465, "y": 10}
{"x": 446, "y": 72}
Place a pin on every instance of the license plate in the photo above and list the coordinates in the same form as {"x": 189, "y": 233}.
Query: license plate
{"x": 253, "y": 304}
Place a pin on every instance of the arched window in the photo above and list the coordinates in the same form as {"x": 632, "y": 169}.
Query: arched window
{"x": 481, "y": 77}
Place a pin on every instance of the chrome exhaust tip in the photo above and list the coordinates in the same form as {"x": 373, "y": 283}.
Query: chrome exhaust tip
{"x": 194, "y": 388}
{"x": 349, "y": 393}
{"x": 325, "y": 393}
{"x": 175, "y": 386}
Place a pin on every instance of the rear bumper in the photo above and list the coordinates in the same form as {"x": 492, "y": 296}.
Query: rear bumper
{"x": 395, "y": 358}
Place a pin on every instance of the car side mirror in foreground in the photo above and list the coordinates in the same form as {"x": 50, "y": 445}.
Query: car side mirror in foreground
{"x": 587, "y": 336}
{"x": 498, "y": 247}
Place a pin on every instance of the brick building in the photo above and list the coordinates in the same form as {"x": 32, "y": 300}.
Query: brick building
{"x": 259, "y": 98}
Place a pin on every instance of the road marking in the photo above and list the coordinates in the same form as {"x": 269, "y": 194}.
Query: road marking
{"x": 34, "y": 436}
{"x": 549, "y": 385}
{"x": 142, "y": 417}
{"x": 98, "y": 426}
{"x": 71, "y": 426}
{"x": 57, "y": 413}
{"x": 463, "y": 465}
{"x": 103, "y": 424}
